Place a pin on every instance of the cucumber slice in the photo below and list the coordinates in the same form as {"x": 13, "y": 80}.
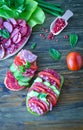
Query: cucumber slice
{"x": 38, "y": 79}
{"x": 18, "y": 75}
{"x": 23, "y": 83}
{"x": 13, "y": 68}
{"x": 25, "y": 79}
{"x": 56, "y": 91}
{"x": 46, "y": 83}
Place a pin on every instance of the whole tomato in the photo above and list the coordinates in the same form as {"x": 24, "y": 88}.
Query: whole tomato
{"x": 74, "y": 61}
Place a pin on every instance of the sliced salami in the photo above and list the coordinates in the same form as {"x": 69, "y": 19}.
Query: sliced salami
{"x": 17, "y": 38}
{"x": 8, "y": 26}
{"x": 27, "y": 56}
{"x": 12, "y": 21}
{"x": 2, "y": 51}
{"x": 16, "y": 34}
{"x": 11, "y": 83}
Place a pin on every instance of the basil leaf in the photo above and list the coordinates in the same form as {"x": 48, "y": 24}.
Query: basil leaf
{"x": 73, "y": 38}
{"x": 42, "y": 95}
{"x": 22, "y": 69}
{"x": 4, "y": 33}
{"x": 27, "y": 65}
{"x": 56, "y": 55}
{"x": 33, "y": 46}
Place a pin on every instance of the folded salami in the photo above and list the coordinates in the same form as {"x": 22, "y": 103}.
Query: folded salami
{"x": 43, "y": 94}
{"x": 21, "y": 71}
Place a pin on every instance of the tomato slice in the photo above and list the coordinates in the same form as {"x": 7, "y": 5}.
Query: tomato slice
{"x": 51, "y": 96}
{"x": 34, "y": 66}
{"x": 18, "y": 61}
{"x": 50, "y": 76}
{"x": 38, "y": 102}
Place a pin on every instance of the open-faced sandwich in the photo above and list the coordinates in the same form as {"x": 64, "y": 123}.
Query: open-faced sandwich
{"x": 44, "y": 92}
{"x": 21, "y": 71}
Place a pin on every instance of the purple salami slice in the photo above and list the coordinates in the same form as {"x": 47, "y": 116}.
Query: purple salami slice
{"x": 8, "y": 26}
{"x": 2, "y": 51}
{"x": 54, "y": 73}
{"x": 7, "y": 43}
{"x": 17, "y": 38}
{"x": 15, "y": 31}
{"x": 11, "y": 83}
{"x": 27, "y": 56}
{"x": 21, "y": 23}
{"x": 19, "y": 33}
{"x": 12, "y": 21}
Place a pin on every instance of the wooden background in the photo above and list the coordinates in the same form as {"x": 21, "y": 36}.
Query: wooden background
{"x": 68, "y": 114}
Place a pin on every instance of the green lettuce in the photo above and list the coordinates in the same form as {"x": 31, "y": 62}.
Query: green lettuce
{"x": 25, "y": 9}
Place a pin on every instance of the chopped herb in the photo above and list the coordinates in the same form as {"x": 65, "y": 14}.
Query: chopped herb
{"x": 73, "y": 38}
{"x": 56, "y": 55}
{"x": 42, "y": 95}
{"x": 27, "y": 65}
{"x": 4, "y": 33}
{"x": 33, "y": 45}
{"x": 22, "y": 69}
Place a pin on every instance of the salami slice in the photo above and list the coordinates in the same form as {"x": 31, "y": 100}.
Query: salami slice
{"x": 11, "y": 83}
{"x": 48, "y": 76}
{"x": 8, "y": 26}
{"x": 12, "y": 21}
{"x": 27, "y": 56}
{"x": 37, "y": 105}
{"x": 2, "y": 51}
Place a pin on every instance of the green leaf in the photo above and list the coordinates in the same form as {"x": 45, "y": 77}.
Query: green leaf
{"x": 33, "y": 46}
{"x": 27, "y": 65}
{"x": 73, "y": 38}
{"x": 42, "y": 95}
{"x": 22, "y": 9}
{"x": 37, "y": 17}
{"x": 7, "y": 12}
{"x": 56, "y": 55}
{"x": 22, "y": 69}
{"x": 4, "y": 33}
{"x": 1, "y": 2}
{"x": 30, "y": 7}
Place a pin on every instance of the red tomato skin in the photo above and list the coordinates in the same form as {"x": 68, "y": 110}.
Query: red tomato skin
{"x": 74, "y": 61}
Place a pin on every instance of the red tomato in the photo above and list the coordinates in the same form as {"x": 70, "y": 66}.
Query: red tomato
{"x": 51, "y": 96}
{"x": 50, "y": 76}
{"x": 38, "y": 103}
{"x": 74, "y": 61}
{"x": 18, "y": 61}
{"x": 33, "y": 66}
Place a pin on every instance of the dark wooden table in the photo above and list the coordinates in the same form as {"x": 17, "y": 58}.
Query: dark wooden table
{"x": 68, "y": 113}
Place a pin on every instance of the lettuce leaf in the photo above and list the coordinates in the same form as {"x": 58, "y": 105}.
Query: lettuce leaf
{"x": 37, "y": 17}
{"x": 27, "y": 10}
{"x": 30, "y": 7}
